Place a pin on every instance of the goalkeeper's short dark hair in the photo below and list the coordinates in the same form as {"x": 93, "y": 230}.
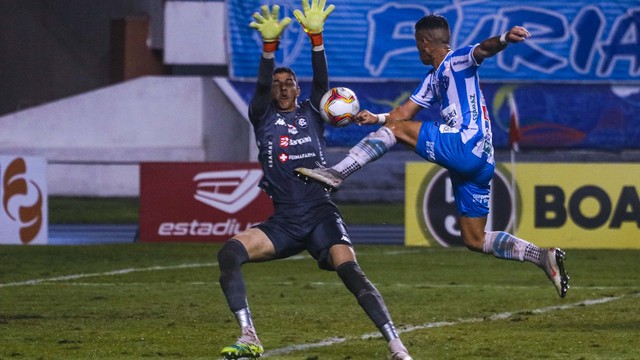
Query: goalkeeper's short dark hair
{"x": 288, "y": 70}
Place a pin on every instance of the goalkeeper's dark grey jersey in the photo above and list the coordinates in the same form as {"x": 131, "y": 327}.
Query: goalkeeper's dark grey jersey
{"x": 287, "y": 140}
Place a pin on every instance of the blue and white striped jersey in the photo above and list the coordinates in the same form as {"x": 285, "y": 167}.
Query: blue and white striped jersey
{"x": 456, "y": 86}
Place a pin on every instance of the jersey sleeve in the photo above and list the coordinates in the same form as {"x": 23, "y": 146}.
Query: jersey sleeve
{"x": 462, "y": 59}
{"x": 262, "y": 95}
{"x": 424, "y": 94}
{"x": 320, "y": 84}
{"x": 473, "y": 59}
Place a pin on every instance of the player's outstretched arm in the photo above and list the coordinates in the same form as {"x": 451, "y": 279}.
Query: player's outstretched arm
{"x": 494, "y": 45}
{"x": 312, "y": 20}
{"x": 404, "y": 112}
{"x": 270, "y": 29}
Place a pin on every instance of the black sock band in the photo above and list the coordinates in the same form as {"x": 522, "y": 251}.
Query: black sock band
{"x": 230, "y": 258}
{"x": 368, "y": 296}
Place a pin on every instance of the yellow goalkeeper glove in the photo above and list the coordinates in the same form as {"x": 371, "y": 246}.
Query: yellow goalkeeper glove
{"x": 312, "y": 20}
{"x": 269, "y": 27}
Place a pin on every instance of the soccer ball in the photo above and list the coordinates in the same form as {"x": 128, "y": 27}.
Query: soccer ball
{"x": 339, "y": 106}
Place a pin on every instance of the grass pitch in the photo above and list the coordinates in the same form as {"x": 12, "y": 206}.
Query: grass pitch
{"x": 140, "y": 301}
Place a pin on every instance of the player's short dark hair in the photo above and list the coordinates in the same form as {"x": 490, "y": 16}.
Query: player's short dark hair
{"x": 431, "y": 22}
{"x": 288, "y": 70}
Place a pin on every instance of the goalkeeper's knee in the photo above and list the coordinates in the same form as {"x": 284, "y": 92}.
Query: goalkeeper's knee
{"x": 231, "y": 256}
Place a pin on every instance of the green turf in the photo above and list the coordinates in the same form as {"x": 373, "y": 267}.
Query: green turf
{"x": 90, "y": 210}
{"x": 140, "y": 301}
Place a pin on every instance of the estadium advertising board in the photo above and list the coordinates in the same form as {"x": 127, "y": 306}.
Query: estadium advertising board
{"x": 571, "y": 205}
{"x": 200, "y": 202}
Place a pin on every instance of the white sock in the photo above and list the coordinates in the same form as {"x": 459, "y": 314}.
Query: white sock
{"x": 369, "y": 149}
{"x": 506, "y": 246}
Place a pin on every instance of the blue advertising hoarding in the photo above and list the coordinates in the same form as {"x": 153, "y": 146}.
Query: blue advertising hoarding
{"x": 576, "y": 80}
{"x": 594, "y": 41}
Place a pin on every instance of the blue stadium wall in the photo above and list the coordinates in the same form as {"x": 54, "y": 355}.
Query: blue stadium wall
{"x": 576, "y": 81}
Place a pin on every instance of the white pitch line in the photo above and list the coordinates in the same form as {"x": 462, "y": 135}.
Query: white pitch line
{"x": 108, "y": 273}
{"x": 406, "y": 329}
{"x": 124, "y": 272}
{"x": 152, "y": 268}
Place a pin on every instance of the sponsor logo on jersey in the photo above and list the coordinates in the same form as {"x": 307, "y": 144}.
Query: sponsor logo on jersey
{"x": 473, "y": 105}
{"x": 228, "y": 191}
{"x": 283, "y": 157}
{"x": 304, "y": 140}
{"x": 459, "y": 63}
{"x": 446, "y": 129}
{"x": 302, "y": 156}
{"x": 284, "y": 141}
{"x": 426, "y": 92}
{"x": 281, "y": 122}
{"x": 270, "y": 154}
{"x": 450, "y": 114}
{"x": 292, "y": 129}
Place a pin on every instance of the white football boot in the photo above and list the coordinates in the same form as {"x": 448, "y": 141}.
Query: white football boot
{"x": 400, "y": 355}
{"x": 553, "y": 266}
{"x": 397, "y": 351}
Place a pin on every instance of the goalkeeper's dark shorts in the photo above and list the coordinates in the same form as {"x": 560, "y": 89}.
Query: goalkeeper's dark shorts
{"x": 314, "y": 226}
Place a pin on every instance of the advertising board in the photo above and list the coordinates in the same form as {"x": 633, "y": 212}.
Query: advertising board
{"x": 24, "y": 210}
{"x": 585, "y": 41}
{"x": 586, "y": 205}
{"x": 200, "y": 202}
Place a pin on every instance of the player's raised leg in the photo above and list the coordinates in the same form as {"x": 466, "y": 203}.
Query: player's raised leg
{"x": 501, "y": 244}
{"x": 506, "y": 246}
{"x": 369, "y": 149}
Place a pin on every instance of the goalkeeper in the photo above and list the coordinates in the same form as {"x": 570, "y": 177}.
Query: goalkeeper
{"x": 289, "y": 134}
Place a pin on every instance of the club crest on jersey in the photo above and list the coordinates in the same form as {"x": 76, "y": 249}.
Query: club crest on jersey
{"x": 445, "y": 82}
{"x": 302, "y": 122}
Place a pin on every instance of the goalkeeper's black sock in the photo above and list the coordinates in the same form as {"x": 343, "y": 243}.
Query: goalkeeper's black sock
{"x": 367, "y": 295}
{"x": 230, "y": 258}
